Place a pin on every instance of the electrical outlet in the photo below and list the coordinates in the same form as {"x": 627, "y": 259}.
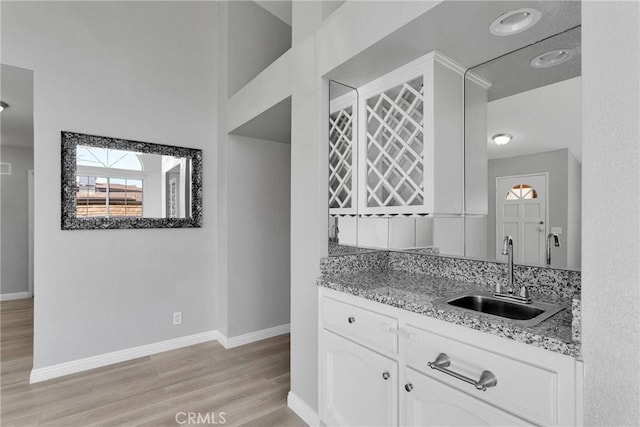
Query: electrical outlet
{"x": 177, "y": 318}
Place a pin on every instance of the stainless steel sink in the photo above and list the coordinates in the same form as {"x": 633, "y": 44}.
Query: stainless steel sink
{"x": 485, "y": 303}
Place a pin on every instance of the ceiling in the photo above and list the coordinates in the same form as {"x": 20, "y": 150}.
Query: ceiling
{"x": 273, "y": 124}
{"x": 542, "y": 119}
{"x": 278, "y": 8}
{"x": 511, "y": 74}
{"x": 460, "y": 30}
{"x": 16, "y": 122}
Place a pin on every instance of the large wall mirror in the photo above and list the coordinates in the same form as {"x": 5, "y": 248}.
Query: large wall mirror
{"x": 517, "y": 120}
{"x": 116, "y": 183}
{"x": 528, "y": 122}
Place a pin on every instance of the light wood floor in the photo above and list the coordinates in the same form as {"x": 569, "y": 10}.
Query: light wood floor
{"x": 249, "y": 384}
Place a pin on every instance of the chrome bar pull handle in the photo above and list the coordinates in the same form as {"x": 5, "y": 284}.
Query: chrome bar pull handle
{"x": 487, "y": 378}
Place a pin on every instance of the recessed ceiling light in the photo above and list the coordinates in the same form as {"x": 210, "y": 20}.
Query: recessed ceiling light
{"x": 501, "y": 138}
{"x": 3, "y": 105}
{"x": 515, "y": 21}
{"x": 552, "y": 58}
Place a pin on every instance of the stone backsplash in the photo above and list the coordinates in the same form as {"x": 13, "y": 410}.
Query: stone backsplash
{"x": 543, "y": 281}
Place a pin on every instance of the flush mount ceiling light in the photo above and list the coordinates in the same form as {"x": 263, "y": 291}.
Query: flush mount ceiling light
{"x": 515, "y": 21}
{"x": 501, "y": 138}
{"x": 3, "y": 105}
{"x": 552, "y": 58}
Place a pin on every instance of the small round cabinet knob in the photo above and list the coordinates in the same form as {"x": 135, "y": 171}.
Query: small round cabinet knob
{"x": 408, "y": 386}
{"x": 351, "y": 319}
{"x": 386, "y": 375}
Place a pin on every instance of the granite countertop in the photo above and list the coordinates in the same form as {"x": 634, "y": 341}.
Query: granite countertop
{"x": 416, "y": 292}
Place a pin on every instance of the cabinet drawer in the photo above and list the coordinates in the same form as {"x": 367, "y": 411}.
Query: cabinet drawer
{"x": 368, "y": 327}
{"x": 522, "y": 389}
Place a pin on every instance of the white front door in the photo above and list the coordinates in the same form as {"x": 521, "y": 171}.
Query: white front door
{"x": 521, "y": 212}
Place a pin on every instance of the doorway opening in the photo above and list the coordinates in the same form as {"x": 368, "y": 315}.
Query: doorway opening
{"x": 16, "y": 181}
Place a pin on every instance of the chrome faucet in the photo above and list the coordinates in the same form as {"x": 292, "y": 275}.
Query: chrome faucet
{"x": 556, "y": 242}
{"x": 333, "y": 236}
{"x": 507, "y": 249}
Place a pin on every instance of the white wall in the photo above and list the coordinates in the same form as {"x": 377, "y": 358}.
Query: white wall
{"x": 137, "y": 70}
{"x": 14, "y": 276}
{"x": 221, "y": 217}
{"x": 256, "y": 39}
{"x": 611, "y": 202}
{"x": 259, "y": 234}
{"x": 309, "y": 209}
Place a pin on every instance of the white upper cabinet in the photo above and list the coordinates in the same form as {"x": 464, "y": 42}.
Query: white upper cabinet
{"x": 404, "y": 135}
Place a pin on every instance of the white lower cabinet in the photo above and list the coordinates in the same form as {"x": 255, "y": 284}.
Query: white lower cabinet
{"x": 431, "y": 403}
{"x": 375, "y": 371}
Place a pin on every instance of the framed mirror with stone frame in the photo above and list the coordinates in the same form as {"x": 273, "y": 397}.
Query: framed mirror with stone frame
{"x": 113, "y": 183}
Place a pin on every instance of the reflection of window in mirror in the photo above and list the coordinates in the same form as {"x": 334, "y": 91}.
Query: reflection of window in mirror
{"x": 109, "y": 183}
{"x": 108, "y": 197}
{"x": 107, "y": 158}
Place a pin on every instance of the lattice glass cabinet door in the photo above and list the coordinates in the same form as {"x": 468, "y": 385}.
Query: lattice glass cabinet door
{"x": 342, "y": 156}
{"x": 384, "y": 139}
{"x": 395, "y": 149}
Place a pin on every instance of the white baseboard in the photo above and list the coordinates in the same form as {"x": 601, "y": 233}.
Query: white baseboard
{"x": 16, "y": 295}
{"x": 75, "y": 366}
{"x": 253, "y": 336}
{"x": 303, "y": 410}
{"x": 43, "y": 374}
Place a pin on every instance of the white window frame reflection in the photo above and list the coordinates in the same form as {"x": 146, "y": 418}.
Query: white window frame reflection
{"x": 107, "y": 182}
{"x": 108, "y": 158}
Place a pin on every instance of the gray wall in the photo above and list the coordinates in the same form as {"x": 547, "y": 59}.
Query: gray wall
{"x": 15, "y": 244}
{"x": 259, "y": 234}
{"x": 554, "y": 162}
{"x": 137, "y": 70}
{"x": 611, "y": 202}
{"x": 256, "y": 39}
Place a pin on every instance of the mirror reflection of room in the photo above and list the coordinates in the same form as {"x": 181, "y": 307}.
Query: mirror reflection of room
{"x": 343, "y": 167}
{"x": 114, "y": 183}
{"x": 533, "y": 137}
{"x": 397, "y": 143}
